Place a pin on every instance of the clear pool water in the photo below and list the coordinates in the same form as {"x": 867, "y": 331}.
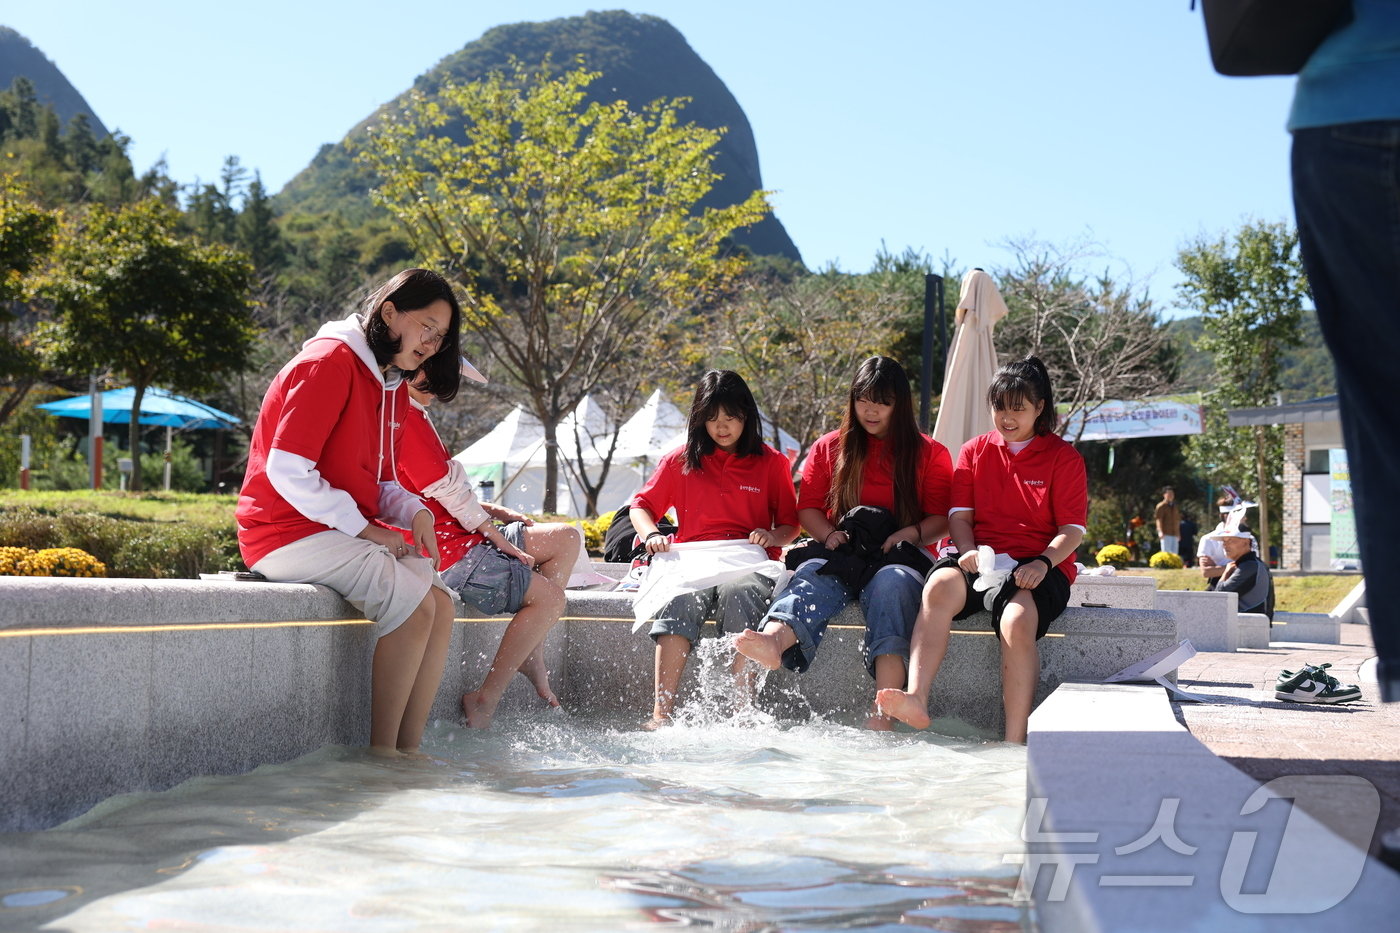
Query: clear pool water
{"x": 729, "y": 821}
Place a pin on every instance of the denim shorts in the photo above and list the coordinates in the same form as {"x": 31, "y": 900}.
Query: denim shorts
{"x": 493, "y": 582}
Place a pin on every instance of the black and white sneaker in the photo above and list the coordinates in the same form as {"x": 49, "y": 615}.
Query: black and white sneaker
{"x": 1313, "y": 684}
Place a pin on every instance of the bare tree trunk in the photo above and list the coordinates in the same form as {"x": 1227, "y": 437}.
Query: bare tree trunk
{"x": 134, "y": 438}
{"x": 551, "y": 466}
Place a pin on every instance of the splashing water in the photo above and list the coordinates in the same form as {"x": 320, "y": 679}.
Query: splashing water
{"x": 727, "y": 820}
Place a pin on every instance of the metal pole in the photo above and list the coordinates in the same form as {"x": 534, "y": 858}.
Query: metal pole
{"x": 95, "y": 433}
{"x": 933, "y": 290}
{"x": 24, "y": 461}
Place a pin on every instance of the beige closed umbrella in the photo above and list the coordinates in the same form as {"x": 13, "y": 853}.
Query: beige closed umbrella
{"x": 962, "y": 412}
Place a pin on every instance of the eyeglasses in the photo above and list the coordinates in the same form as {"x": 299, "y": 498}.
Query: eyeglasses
{"x": 431, "y": 336}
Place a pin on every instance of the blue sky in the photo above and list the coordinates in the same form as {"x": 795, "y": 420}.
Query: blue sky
{"x": 944, "y": 126}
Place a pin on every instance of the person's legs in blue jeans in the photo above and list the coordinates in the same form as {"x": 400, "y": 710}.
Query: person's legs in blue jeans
{"x": 890, "y": 602}
{"x": 1346, "y": 192}
{"x": 791, "y": 630}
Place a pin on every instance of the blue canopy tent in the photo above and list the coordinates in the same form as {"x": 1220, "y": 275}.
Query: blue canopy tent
{"x": 158, "y": 407}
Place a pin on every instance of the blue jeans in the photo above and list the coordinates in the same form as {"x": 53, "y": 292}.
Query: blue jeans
{"x": 1346, "y": 192}
{"x": 890, "y": 602}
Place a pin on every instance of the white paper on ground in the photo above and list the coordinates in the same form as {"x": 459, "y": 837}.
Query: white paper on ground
{"x": 1156, "y": 668}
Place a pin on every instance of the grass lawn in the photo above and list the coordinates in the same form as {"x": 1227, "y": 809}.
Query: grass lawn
{"x": 1318, "y": 592}
{"x": 201, "y": 508}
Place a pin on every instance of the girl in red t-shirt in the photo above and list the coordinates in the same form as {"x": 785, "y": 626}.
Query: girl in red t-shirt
{"x": 489, "y": 568}
{"x": 876, "y": 458}
{"x": 1020, "y": 490}
{"x": 319, "y": 469}
{"x": 725, "y": 485}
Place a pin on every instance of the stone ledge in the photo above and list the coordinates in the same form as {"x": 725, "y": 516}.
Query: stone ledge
{"x": 1102, "y": 760}
{"x": 123, "y": 685}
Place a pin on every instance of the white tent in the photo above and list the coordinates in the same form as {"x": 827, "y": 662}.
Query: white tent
{"x": 511, "y": 459}
{"x": 655, "y": 429}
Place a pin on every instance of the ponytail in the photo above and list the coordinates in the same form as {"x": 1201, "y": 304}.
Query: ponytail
{"x": 1025, "y": 380}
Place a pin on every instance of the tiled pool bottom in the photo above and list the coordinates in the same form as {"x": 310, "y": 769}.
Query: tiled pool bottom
{"x": 549, "y": 822}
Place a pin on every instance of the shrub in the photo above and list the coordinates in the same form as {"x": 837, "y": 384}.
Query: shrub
{"x": 11, "y": 558}
{"x": 594, "y": 529}
{"x": 1115, "y": 554}
{"x": 1166, "y": 560}
{"x": 128, "y": 547}
{"x": 49, "y": 562}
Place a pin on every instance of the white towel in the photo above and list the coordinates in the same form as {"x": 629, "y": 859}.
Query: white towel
{"x": 699, "y": 565}
{"x": 992, "y": 568}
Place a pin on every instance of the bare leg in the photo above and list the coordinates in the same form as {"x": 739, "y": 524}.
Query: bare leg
{"x": 890, "y": 673}
{"x": 945, "y": 594}
{"x": 1020, "y": 664}
{"x": 398, "y": 658}
{"x": 534, "y": 669}
{"x": 671, "y": 654}
{"x": 766, "y": 647}
{"x": 543, "y": 603}
{"x": 425, "y": 685}
{"x": 555, "y": 548}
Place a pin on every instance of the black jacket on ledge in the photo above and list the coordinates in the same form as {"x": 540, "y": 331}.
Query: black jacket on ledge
{"x": 855, "y": 562}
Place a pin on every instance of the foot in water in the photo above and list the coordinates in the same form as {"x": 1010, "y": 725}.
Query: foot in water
{"x": 474, "y": 708}
{"x": 903, "y": 706}
{"x": 656, "y": 722}
{"x": 759, "y": 648}
{"x": 878, "y": 721}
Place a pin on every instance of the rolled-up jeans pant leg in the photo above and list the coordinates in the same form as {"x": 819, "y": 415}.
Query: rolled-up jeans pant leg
{"x": 1346, "y": 191}
{"x": 742, "y": 602}
{"x": 807, "y": 604}
{"x": 890, "y": 602}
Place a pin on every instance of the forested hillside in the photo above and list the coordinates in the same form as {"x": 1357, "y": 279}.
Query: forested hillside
{"x": 1306, "y": 370}
{"x": 642, "y": 58}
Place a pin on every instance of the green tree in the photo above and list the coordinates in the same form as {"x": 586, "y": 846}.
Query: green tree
{"x": 1249, "y": 289}
{"x": 797, "y": 342}
{"x": 26, "y": 237}
{"x": 1101, "y": 339}
{"x": 572, "y": 226}
{"x": 132, "y": 296}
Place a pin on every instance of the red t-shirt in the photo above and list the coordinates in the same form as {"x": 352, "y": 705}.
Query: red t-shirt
{"x": 725, "y": 499}
{"x": 422, "y": 461}
{"x": 1019, "y": 501}
{"x": 325, "y": 406}
{"x": 934, "y": 472}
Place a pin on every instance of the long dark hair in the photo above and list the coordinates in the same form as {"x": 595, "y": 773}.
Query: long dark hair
{"x": 879, "y": 379}
{"x": 1025, "y": 381}
{"x": 721, "y": 389}
{"x": 411, "y": 290}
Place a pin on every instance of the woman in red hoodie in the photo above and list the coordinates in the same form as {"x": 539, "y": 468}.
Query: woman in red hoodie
{"x": 321, "y": 466}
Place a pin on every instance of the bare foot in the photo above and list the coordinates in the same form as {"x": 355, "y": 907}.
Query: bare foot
{"x": 384, "y": 751}
{"x": 760, "y": 648}
{"x": 656, "y": 722}
{"x": 415, "y": 754}
{"x": 903, "y": 706}
{"x": 547, "y": 695}
{"x": 474, "y": 708}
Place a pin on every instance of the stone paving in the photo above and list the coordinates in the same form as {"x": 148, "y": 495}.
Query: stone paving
{"x": 1267, "y": 738}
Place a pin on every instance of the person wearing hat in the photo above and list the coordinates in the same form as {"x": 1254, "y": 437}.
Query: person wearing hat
{"x": 1244, "y": 573}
